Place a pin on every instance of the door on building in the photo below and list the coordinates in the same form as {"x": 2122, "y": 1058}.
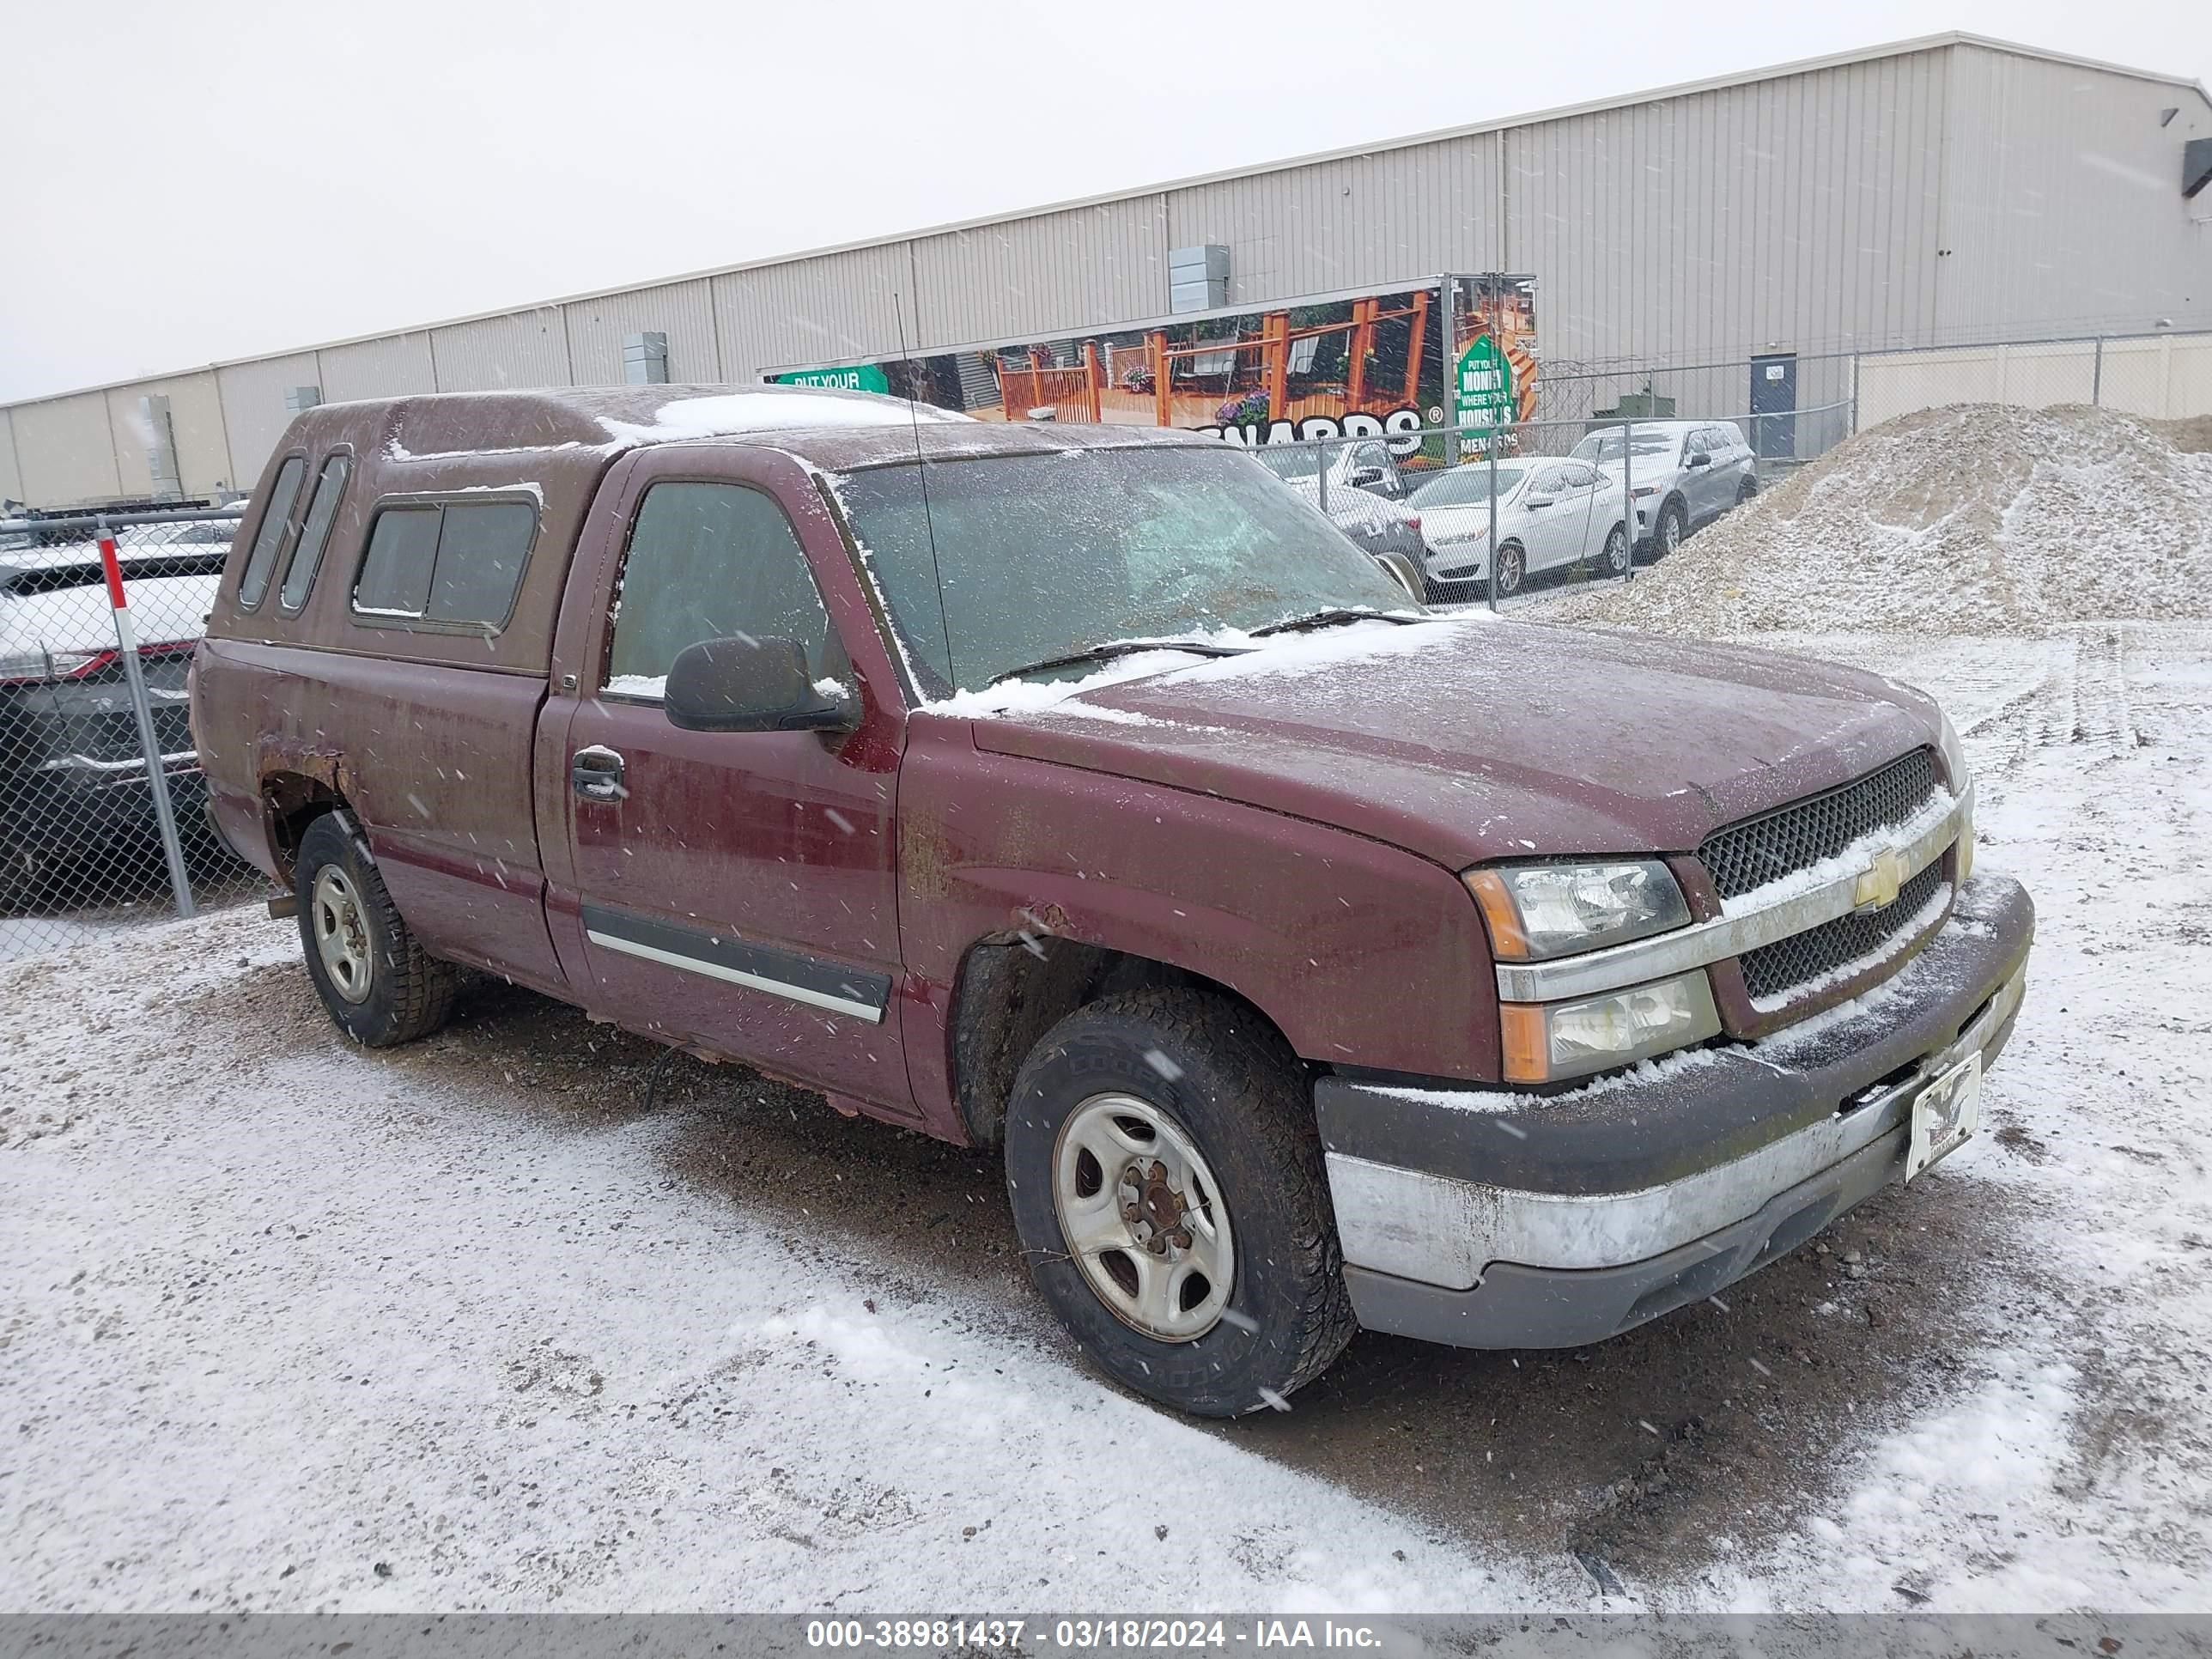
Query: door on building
{"x": 1774, "y": 406}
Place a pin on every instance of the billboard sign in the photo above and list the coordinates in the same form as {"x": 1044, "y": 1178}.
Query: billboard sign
{"x": 1375, "y": 366}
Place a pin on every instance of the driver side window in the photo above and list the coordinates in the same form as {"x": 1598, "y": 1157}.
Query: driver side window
{"x": 708, "y": 561}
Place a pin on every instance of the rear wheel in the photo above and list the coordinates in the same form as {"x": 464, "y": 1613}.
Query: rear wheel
{"x": 1616, "y": 552}
{"x": 373, "y": 974}
{"x": 1746, "y": 490}
{"x": 1168, "y": 1185}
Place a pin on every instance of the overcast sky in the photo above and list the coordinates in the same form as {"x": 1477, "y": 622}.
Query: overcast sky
{"x": 185, "y": 182}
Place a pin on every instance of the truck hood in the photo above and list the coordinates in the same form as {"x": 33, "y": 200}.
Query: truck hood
{"x": 1463, "y": 739}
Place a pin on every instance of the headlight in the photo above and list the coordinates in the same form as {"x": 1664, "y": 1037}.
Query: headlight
{"x": 1545, "y": 1041}
{"x": 1958, "y": 775}
{"x": 1961, "y": 781}
{"x": 1539, "y": 910}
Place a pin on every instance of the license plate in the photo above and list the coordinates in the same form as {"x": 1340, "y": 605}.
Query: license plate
{"x": 1944, "y": 1113}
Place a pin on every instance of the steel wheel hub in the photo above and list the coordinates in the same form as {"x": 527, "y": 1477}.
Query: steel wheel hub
{"x": 341, "y": 933}
{"x": 1143, "y": 1217}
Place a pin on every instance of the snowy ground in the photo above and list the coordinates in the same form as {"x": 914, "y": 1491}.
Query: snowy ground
{"x": 286, "y": 1327}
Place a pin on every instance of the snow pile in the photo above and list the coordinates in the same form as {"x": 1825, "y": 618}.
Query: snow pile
{"x": 1978, "y": 518}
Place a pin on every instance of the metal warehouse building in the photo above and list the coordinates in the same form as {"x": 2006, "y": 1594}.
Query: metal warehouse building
{"x": 1941, "y": 191}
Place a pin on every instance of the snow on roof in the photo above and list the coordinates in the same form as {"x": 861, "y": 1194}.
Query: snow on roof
{"x": 770, "y": 409}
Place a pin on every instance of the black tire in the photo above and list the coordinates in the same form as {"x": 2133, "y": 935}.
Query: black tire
{"x": 1672, "y": 530}
{"x": 1229, "y": 1084}
{"x": 1746, "y": 490}
{"x": 1616, "y": 555}
{"x": 407, "y": 992}
{"x": 1513, "y": 569}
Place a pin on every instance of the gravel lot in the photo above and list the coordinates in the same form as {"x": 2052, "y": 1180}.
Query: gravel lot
{"x": 466, "y": 1326}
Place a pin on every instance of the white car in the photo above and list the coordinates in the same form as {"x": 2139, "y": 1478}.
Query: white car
{"x": 1683, "y": 474}
{"x": 1551, "y": 514}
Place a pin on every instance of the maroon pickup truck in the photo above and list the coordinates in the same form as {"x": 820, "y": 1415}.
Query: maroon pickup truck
{"x": 1317, "y": 961}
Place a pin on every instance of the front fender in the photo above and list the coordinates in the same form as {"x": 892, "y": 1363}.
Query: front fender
{"x": 1361, "y": 953}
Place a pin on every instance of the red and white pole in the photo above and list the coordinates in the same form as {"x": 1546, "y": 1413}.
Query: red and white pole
{"x": 157, "y": 771}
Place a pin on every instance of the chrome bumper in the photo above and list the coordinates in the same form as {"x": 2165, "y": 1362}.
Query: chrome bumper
{"x": 1443, "y": 1232}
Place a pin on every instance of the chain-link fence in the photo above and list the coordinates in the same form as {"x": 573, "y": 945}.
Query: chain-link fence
{"x": 102, "y": 822}
{"x": 1560, "y": 500}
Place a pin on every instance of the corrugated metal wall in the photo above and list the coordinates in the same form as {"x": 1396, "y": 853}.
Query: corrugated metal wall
{"x": 2064, "y": 203}
{"x": 525, "y": 348}
{"x": 195, "y": 421}
{"x": 684, "y": 312}
{"x": 67, "y": 449}
{"x": 255, "y": 410}
{"x": 1364, "y": 220}
{"x": 1080, "y": 267}
{"x": 818, "y": 310}
{"x": 1915, "y": 197}
{"x": 11, "y": 475}
{"x": 1799, "y": 212}
{"x": 390, "y": 367}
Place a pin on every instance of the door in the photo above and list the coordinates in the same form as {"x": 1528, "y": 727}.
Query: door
{"x": 1774, "y": 406}
{"x": 1558, "y": 517}
{"x": 1600, "y": 499}
{"x": 1699, "y": 474}
{"x": 732, "y": 890}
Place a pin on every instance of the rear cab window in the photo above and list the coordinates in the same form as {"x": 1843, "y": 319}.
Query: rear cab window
{"x": 445, "y": 564}
{"x": 314, "y": 532}
{"x": 276, "y": 525}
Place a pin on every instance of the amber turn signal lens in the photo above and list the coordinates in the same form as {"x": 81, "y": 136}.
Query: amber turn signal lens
{"x": 1525, "y": 1045}
{"x": 1506, "y": 938}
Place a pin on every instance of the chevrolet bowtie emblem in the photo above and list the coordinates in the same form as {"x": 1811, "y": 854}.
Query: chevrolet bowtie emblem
{"x": 1878, "y": 883}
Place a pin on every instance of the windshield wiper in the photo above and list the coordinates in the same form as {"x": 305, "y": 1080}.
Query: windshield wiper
{"x": 1330, "y": 617}
{"x": 1112, "y": 649}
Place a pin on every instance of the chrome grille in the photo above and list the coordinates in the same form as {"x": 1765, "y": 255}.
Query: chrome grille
{"x": 1773, "y": 968}
{"x": 1750, "y": 854}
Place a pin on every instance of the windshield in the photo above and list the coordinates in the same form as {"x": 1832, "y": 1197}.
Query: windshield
{"x": 1466, "y": 486}
{"x": 1041, "y": 556}
{"x": 1605, "y": 446}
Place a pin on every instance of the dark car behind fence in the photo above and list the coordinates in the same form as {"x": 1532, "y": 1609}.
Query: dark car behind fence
{"x": 101, "y": 818}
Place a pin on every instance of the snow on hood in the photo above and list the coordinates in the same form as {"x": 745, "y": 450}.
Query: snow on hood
{"x": 1467, "y": 738}
{"x": 727, "y": 414}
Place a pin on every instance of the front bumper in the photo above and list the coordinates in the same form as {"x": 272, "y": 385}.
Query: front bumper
{"x": 1490, "y": 1219}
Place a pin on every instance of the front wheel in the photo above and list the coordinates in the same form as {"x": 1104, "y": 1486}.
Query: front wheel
{"x": 1512, "y": 569}
{"x": 373, "y": 974}
{"x": 1168, "y": 1187}
{"x": 1673, "y": 527}
{"x": 1616, "y": 552}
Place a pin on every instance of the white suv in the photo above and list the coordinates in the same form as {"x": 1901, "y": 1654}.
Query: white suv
{"x": 1683, "y": 475}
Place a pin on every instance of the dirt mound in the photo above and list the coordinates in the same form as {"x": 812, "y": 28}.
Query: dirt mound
{"x": 1975, "y": 518}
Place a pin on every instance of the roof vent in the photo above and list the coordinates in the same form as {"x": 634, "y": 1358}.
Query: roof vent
{"x": 1198, "y": 278}
{"x": 645, "y": 359}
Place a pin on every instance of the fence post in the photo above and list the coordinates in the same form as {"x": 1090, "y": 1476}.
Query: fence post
{"x": 2097, "y": 376}
{"x": 157, "y": 774}
{"x": 1448, "y": 376}
{"x": 1489, "y": 451}
{"x": 1628, "y": 499}
{"x": 1320, "y": 475}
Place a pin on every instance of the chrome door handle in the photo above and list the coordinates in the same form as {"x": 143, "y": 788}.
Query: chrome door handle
{"x": 595, "y": 774}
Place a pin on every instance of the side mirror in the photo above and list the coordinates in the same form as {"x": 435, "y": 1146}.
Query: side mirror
{"x": 1699, "y": 460}
{"x": 1538, "y": 501}
{"x": 748, "y": 684}
{"x": 1362, "y": 477}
